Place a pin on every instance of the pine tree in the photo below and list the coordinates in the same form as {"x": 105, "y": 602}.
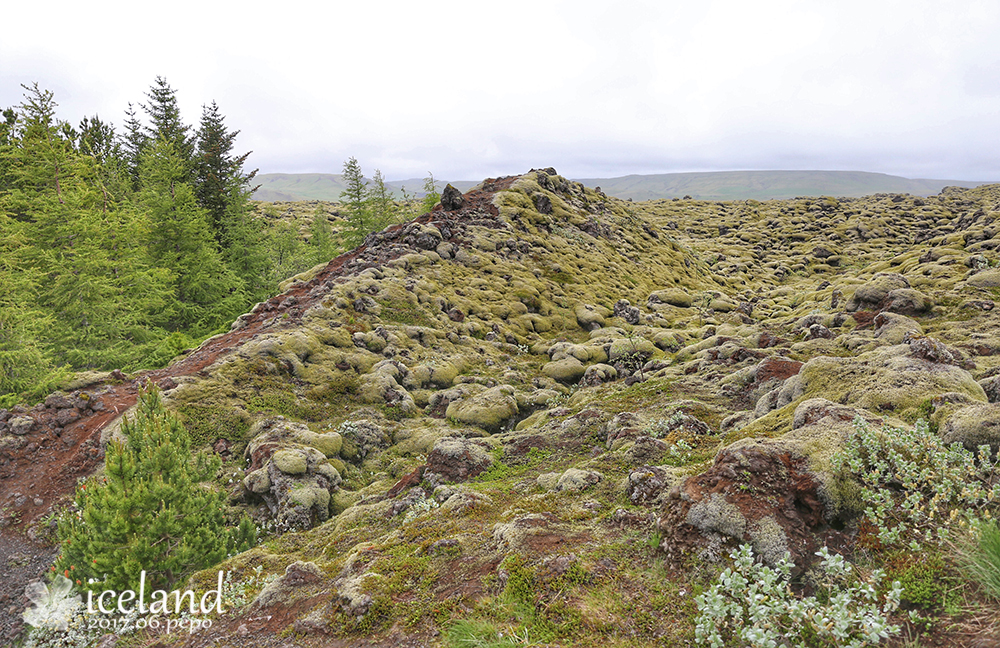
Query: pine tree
{"x": 149, "y": 512}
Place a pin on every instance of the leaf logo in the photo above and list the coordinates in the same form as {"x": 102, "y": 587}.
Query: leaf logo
{"x": 53, "y": 604}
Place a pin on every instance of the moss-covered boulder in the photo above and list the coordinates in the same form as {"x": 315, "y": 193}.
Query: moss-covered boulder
{"x": 888, "y": 380}
{"x": 590, "y": 317}
{"x": 973, "y": 425}
{"x": 575, "y": 479}
{"x": 634, "y": 350}
{"x": 488, "y": 410}
{"x": 457, "y": 459}
{"x": 985, "y": 279}
{"x": 672, "y": 296}
{"x": 779, "y": 494}
{"x": 567, "y": 370}
{"x": 876, "y": 290}
{"x": 300, "y": 579}
{"x": 294, "y": 481}
{"x": 908, "y": 301}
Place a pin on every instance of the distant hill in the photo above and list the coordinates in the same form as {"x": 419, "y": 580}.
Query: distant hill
{"x": 715, "y": 185}
{"x": 279, "y": 187}
{"x": 765, "y": 185}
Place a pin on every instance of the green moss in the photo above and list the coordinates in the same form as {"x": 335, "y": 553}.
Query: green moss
{"x": 208, "y": 422}
{"x": 403, "y": 311}
{"x": 926, "y": 578}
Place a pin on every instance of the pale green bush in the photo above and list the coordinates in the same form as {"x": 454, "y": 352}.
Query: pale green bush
{"x": 753, "y": 605}
{"x": 914, "y": 486}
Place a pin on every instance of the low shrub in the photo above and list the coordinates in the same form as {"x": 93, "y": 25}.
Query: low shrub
{"x": 755, "y": 604}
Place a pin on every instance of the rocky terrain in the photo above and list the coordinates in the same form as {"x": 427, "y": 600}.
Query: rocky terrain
{"x": 555, "y": 412}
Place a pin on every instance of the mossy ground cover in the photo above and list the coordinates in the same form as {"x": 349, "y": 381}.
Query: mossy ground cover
{"x": 587, "y": 568}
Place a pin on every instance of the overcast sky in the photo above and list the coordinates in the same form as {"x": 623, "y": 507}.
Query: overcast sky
{"x": 595, "y": 89}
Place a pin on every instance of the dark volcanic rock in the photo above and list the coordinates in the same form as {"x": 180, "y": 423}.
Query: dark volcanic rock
{"x": 451, "y": 199}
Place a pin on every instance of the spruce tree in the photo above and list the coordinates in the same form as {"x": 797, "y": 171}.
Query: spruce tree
{"x": 224, "y": 189}
{"x": 354, "y": 199}
{"x": 218, "y": 172}
{"x": 94, "y": 279}
{"x": 166, "y": 124}
{"x": 205, "y": 290}
{"x": 149, "y": 511}
{"x": 321, "y": 238}
{"x": 382, "y": 208}
{"x": 133, "y": 143}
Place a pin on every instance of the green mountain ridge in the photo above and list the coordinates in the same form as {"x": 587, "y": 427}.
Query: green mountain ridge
{"x": 291, "y": 187}
{"x": 713, "y": 185}
{"x": 767, "y": 185}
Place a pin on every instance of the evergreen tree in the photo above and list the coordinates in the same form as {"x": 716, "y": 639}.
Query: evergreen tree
{"x": 149, "y": 512}
{"x": 381, "y": 206}
{"x": 206, "y": 291}
{"x": 94, "y": 279}
{"x": 245, "y": 248}
{"x": 98, "y": 140}
{"x": 133, "y": 143}
{"x": 26, "y": 368}
{"x": 218, "y": 172}
{"x": 6, "y": 142}
{"x": 355, "y": 201}
{"x": 288, "y": 255}
{"x": 166, "y": 124}
{"x": 321, "y": 237}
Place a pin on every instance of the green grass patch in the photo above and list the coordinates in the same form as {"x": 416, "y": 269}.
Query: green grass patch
{"x": 401, "y": 311}
{"x": 982, "y": 559}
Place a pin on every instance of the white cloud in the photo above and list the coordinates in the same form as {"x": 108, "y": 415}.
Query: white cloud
{"x": 468, "y": 90}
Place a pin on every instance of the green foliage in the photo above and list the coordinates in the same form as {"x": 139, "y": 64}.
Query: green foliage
{"x": 149, "y": 511}
{"x": 26, "y": 368}
{"x": 205, "y": 291}
{"x": 924, "y": 576}
{"x": 431, "y": 194}
{"x": 288, "y": 254}
{"x": 982, "y": 557}
{"x": 395, "y": 309}
{"x": 754, "y": 604}
{"x": 166, "y": 125}
{"x": 382, "y": 208}
{"x": 207, "y": 422}
{"x": 321, "y": 244}
{"x": 355, "y": 200}
{"x": 914, "y": 486}
{"x": 86, "y": 264}
{"x": 369, "y": 206}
